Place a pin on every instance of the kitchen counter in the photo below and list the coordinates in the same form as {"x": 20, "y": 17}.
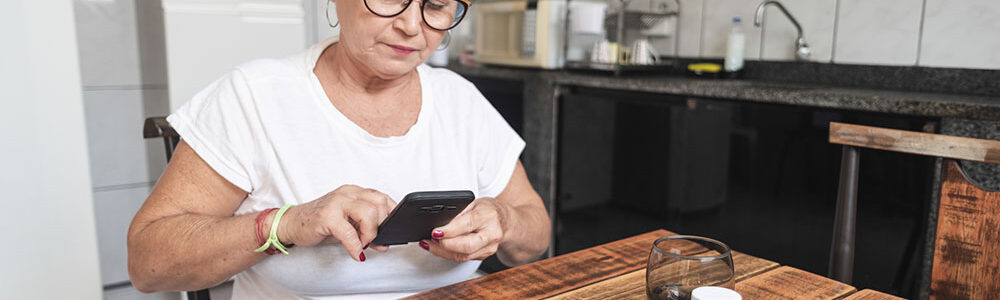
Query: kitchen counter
{"x": 942, "y": 105}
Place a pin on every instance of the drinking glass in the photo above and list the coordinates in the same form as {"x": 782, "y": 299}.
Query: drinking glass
{"x": 678, "y": 264}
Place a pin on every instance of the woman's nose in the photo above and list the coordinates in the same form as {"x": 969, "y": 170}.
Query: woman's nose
{"x": 409, "y": 21}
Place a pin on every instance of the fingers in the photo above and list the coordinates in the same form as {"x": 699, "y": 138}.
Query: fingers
{"x": 365, "y": 215}
{"x": 439, "y": 249}
{"x": 348, "y": 237}
{"x": 472, "y": 235}
{"x": 491, "y": 234}
{"x": 466, "y": 222}
{"x": 350, "y": 215}
{"x": 382, "y": 201}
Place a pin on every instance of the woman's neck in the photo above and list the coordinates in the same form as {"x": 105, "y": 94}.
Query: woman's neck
{"x": 354, "y": 77}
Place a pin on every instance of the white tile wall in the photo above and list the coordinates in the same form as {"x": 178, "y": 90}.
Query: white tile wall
{"x": 123, "y": 73}
{"x": 878, "y": 32}
{"x": 152, "y": 43}
{"x": 817, "y": 21}
{"x": 717, "y": 22}
{"x": 690, "y": 31}
{"x": 114, "y": 211}
{"x": 118, "y": 153}
{"x": 963, "y": 34}
{"x": 690, "y": 39}
{"x": 107, "y": 40}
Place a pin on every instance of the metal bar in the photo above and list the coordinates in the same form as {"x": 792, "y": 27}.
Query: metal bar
{"x": 842, "y": 248}
{"x": 168, "y": 148}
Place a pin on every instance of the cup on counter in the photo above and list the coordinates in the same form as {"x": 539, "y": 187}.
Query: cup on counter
{"x": 643, "y": 53}
{"x": 605, "y": 52}
{"x": 679, "y": 264}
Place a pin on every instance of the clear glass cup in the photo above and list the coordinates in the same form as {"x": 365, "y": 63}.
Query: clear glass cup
{"x": 679, "y": 264}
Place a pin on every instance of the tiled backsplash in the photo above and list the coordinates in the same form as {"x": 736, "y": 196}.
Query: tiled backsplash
{"x": 929, "y": 33}
{"x": 878, "y": 32}
{"x": 961, "y": 33}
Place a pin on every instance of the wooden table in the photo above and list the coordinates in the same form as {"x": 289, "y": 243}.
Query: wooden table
{"x": 617, "y": 270}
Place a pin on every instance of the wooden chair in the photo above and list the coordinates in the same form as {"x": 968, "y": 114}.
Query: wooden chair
{"x": 158, "y": 127}
{"x": 966, "y": 251}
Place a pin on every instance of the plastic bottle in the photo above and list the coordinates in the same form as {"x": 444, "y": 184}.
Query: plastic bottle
{"x": 734, "y": 47}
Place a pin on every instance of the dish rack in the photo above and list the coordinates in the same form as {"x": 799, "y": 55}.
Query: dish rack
{"x": 617, "y": 22}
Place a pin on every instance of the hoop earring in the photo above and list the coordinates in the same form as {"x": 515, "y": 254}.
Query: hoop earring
{"x": 328, "y": 16}
{"x": 447, "y": 36}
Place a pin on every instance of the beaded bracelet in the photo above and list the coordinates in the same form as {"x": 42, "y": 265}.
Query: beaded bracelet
{"x": 272, "y": 240}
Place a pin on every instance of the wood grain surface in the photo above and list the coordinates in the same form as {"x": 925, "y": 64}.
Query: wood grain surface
{"x": 871, "y": 295}
{"x": 915, "y": 142}
{"x": 555, "y": 275}
{"x": 967, "y": 243}
{"x": 633, "y": 285}
{"x": 791, "y": 283}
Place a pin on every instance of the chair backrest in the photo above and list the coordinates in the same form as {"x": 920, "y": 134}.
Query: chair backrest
{"x": 967, "y": 242}
{"x": 966, "y": 260}
{"x": 158, "y": 127}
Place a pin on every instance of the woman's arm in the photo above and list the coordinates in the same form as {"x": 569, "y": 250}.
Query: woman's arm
{"x": 514, "y": 225}
{"x": 528, "y": 228}
{"x": 185, "y": 236}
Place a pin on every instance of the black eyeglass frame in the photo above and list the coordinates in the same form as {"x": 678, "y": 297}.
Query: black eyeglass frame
{"x": 465, "y": 11}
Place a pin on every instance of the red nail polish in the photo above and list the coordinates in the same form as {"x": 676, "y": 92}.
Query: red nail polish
{"x": 425, "y": 246}
{"x": 366, "y": 246}
{"x": 362, "y": 256}
{"x": 437, "y": 234}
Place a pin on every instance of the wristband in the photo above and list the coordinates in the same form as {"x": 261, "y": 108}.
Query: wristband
{"x": 272, "y": 240}
{"x": 259, "y": 228}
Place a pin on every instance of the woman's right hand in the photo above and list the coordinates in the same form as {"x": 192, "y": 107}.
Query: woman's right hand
{"x": 349, "y": 215}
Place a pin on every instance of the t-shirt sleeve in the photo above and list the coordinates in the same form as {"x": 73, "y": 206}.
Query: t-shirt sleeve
{"x": 217, "y": 124}
{"x": 498, "y": 150}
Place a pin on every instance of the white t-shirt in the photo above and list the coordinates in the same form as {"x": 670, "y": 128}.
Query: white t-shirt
{"x": 269, "y": 128}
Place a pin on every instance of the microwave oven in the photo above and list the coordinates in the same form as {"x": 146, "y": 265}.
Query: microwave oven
{"x": 523, "y": 33}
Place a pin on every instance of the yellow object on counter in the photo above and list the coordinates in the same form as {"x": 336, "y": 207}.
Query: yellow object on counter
{"x": 701, "y": 68}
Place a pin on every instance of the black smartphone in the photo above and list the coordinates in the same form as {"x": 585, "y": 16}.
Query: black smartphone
{"x": 420, "y": 212}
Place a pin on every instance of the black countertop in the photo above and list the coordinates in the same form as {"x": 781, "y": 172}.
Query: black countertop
{"x": 934, "y": 104}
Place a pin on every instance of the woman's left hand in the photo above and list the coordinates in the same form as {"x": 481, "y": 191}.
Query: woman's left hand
{"x": 474, "y": 234}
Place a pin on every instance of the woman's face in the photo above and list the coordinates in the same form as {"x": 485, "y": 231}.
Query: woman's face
{"x": 388, "y": 47}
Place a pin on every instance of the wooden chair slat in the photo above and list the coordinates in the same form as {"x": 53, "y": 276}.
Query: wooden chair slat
{"x": 915, "y": 142}
{"x": 557, "y": 274}
{"x": 871, "y": 295}
{"x": 633, "y": 285}
{"x": 967, "y": 252}
{"x": 791, "y": 283}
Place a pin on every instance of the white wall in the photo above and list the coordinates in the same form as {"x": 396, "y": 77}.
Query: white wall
{"x": 48, "y": 222}
{"x": 123, "y": 78}
{"x": 930, "y": 33}
{"x": 206, "y": 38}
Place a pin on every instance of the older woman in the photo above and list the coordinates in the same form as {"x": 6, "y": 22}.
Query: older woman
{"x": 337, "y": 133}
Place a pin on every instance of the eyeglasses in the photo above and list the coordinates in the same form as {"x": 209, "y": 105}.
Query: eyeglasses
{"x": 438, "y": 14}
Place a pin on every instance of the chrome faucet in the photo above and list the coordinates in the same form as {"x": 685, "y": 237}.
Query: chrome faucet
{"x": 801, "y": 48}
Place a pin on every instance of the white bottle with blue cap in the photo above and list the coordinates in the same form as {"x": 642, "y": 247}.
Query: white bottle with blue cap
{"x": 734, "y": 47}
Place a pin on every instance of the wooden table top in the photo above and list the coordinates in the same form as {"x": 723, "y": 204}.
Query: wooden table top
{"x": 617, "y": 270}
